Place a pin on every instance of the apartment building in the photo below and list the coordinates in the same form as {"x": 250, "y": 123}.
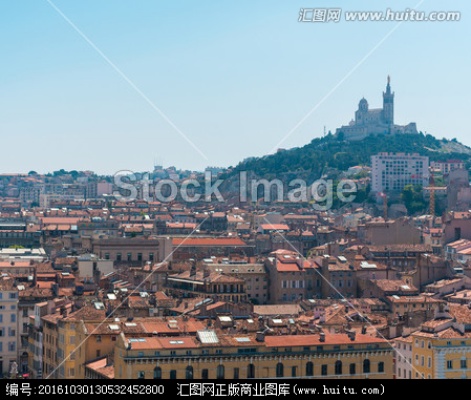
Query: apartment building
{"x": 393, "y": 171}
{"x": 9, "y": 336}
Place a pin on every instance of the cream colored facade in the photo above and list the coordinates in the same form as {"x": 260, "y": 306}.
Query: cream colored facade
{"x": 8, "y": 326}
{"x": 213, "y": 355}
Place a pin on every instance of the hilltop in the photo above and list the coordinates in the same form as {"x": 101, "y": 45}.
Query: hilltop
{"x": 333, "y": 152}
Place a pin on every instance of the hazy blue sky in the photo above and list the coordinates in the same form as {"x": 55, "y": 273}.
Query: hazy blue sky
{"x": 234, "y": 77}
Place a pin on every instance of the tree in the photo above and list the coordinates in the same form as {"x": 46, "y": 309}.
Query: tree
{"x": 413, "y": 199}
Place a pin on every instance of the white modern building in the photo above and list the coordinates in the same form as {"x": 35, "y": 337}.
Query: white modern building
{"x": 393, "y": 171}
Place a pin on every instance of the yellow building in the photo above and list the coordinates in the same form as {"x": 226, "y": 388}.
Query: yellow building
{"x": 441, "y": 350}
{"x": 214, "y": 354}
{"x": 62, "y": 343}
{"x": 50, "y": 339}
{"x": 97, "y": 338}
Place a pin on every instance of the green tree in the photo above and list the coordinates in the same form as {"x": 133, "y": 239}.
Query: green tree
{"x": 412, "y": 197}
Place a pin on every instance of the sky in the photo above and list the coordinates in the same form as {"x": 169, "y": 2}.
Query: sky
{"x": 116, "y": 85}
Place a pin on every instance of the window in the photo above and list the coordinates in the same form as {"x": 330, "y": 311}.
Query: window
{"x": 422, "y": 361}
{"x": 293, "y": 371}
{"x": 381, "y": 367}
{"x": 449, "y": 364}
{"x": 129, "y": 256}
{"x": 157, "y": 373}
{"x": 251, "y": 371}
{"x": 279, "y": 370}
{"x": 429, "y": 362}
{"x": 98, "y": 353}
{"x": 173, "y": 374}
{"x": 98, "y": 338}
{"x": 13, "y": 295}
{"x": 463, "y": 364}
{"x": 151, "y": 256}
{"x": 236, "y": 373}
{"x": 220, "y": 372}
{"x": 338, "y": 367}
{"x": 353, "y": 368}
{"x": 118, "y": 257}
{"x": 107, "y": 256}
{"x": 11, "y": 346}
{"x": 324, "y": 369}
{"x": 141, "y": 375}
{"x": 309, "y": 369}
{"x": 139, "y": 256}
{"x": 204, "y": 374}
{"x": 13, "y": 318}
{"x": 189, "y": 372}
{"x": 366, "y": 366}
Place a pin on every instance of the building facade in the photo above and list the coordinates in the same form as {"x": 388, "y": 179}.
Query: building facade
{"x": 393, "y": 171}
{"x": 8, "y": 325}
{"x": 211, "y": 355}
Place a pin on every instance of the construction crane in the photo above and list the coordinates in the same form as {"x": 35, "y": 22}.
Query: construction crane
{"x": 432, "y": 195}
{"x": 385, "y": 205}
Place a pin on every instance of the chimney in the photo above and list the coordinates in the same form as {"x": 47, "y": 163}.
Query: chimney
{"x": 260, "y": 336}
{"x": 63, "y": 311}
{"x": 325, "y": 261}
{"x": 351, "y": 334}
{"x": 193, "y": 267}
{"x": 322, "y": 337}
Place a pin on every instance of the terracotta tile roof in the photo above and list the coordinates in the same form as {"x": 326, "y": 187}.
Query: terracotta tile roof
{"x": 413, "y": 299}
{"x": 277, "y": 309}
{"x": 15, "y": 264}
{"x": 191, "y": 242}
{"x": 284, "y": 267}
{"x": 87, "y": 312}
{"x": 60, "y": 220}
{"x": 309, "y": 340}
{"x": 461, "y": 312}
{"x": 390, "y": 285}
{"x": 181, "y": 225}
{"x": 449, "y": 333}
{"x": 275, "y": 227}
{"x": 162, "y": 326}
{"x": 101, "y": 367}
{"x": 212, "y": 277}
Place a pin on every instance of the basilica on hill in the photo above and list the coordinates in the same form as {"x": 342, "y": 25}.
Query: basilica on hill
{"x": 375, "y": 120}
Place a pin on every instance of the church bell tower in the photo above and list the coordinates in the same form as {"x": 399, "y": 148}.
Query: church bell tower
{"x": 388, "y": 105}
